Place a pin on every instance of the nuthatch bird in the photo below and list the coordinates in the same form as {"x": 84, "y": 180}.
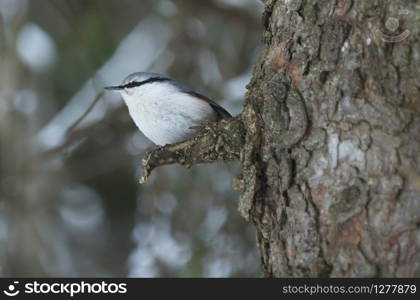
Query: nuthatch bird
{"x": 165, "y": 110}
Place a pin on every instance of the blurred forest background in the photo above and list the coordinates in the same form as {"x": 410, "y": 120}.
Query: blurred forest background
{"x": 70, "y": 202}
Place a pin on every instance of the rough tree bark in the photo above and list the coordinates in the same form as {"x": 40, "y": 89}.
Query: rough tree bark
{"x": 329, "y": 139}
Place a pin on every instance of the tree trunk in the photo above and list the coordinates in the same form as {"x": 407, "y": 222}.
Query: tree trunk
{"x": 331, "y": 161}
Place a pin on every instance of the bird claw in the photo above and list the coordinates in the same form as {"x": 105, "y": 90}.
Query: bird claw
{"x": 200, "y": 127}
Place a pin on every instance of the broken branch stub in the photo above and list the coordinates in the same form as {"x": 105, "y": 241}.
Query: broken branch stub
{"x": 221, "y": 141}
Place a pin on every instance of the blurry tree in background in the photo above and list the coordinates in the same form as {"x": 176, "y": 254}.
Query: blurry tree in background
{"x": 70, "y": 204}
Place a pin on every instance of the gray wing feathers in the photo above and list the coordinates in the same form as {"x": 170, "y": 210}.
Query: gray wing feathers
{"x": 221, "y": 113}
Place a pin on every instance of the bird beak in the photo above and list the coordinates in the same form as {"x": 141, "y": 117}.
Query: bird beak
{"x": 113, "y": 88}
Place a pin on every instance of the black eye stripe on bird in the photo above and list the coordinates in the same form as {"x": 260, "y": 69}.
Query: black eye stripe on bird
{"x": 133, "y": 84}
{"x": 136, "y": 83}
{"x": 166, "y": 112}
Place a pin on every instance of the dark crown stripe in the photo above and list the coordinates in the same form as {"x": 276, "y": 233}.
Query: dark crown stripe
{"x": 139, "y": 83}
